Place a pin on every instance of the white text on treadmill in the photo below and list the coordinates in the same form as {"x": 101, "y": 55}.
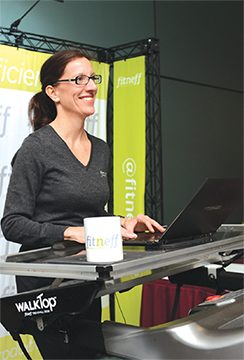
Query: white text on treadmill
{"x": 37, "y": 306}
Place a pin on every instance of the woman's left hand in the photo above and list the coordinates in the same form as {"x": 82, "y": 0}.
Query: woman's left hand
{"x": 139, "y": 223}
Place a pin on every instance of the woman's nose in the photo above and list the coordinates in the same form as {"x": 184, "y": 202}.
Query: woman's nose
{"x": 91, "y": 85}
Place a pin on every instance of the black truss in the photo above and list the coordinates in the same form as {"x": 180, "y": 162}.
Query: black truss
{"x": 150, "y": 49}
{"x": 41, "y": 43}
{"x": 154, "y": 183}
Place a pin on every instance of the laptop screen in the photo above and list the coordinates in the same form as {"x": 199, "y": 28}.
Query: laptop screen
{"x": 212, "y": 204}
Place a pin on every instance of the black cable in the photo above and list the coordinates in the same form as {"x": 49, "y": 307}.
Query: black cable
{"x": 116, "y": 297}
{"x": 200, "y": 84}
{"x": 154, "y": 15}
{"x": 16, "y": 337}
{"x": 16, "y": 23}
{"x": 111, "y": 307}
{"x": 176, "y": 301}
{"x": 236, "y": 257}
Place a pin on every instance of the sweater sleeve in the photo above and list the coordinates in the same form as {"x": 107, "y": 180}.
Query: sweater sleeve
{"x": 24, "y": 186}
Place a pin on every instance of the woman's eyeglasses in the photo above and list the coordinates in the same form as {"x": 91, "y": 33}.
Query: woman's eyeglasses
{"x": 83, "y": 79}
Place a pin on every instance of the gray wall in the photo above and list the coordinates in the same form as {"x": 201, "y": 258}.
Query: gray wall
{"x": 201, "y": 42}
{"x": 202, "y": 126}
{"x": 99, "y": 23}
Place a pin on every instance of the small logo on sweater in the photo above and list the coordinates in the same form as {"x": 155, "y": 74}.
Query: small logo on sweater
{"x": 103, "y": 174}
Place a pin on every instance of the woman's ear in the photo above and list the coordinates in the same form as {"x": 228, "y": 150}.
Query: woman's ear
{"x": 52, "y": 93}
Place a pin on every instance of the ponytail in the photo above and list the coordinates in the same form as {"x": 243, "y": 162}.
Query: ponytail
{"x": 41, "y": 111}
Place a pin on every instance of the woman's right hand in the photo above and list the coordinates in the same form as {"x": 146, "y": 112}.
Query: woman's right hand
{"x": 75, "y": 233}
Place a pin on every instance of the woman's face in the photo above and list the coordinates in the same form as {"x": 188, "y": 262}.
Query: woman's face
{"x": 76, "y": 99}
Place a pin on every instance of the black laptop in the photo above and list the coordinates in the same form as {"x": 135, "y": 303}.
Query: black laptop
{"x": 212, "y": 204}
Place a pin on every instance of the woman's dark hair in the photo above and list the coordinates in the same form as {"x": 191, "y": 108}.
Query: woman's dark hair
{"x": 42, "y": 110}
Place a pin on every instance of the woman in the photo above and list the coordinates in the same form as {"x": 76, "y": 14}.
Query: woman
{"x": 56, "y": 180}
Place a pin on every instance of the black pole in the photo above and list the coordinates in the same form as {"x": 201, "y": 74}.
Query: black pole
{"x": 16, "y": 23}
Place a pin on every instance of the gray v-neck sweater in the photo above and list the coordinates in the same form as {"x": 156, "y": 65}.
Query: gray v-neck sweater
{"x": 50, "y": 189}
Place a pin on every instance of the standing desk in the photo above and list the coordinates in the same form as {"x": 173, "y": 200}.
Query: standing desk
{"x": 137, "y": 267}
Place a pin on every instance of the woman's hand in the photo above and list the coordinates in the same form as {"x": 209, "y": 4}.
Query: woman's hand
{"x": 75, "y": 234}
{"x": 139, "y": 223}
{"x": 128, "y": 226}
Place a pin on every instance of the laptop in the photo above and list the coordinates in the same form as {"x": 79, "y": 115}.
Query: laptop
{"x": 212, "y": 204}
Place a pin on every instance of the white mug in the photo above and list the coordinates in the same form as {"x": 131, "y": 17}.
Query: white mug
{"x": 103, "y": 239}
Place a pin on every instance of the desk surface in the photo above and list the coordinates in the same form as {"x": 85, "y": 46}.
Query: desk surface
{"x": 137, "y": 267}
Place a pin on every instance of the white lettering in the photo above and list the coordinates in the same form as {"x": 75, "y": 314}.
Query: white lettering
{"x": 5, "y": 116}
{"x": 37, "y": 304}
{"x": 14, "y": 74}
{"x": 37, "y": 77}
{"x": 133, "y": 80}
{"x": 16, "y": 352}
{"x": 21, "y": 72}
{"x": 26, "y": 77}
{"x": 131, "y": 203}
{"x": 129, "y": 168}
{"x": 8, "y": 74}
{"x": 4, "y": 69}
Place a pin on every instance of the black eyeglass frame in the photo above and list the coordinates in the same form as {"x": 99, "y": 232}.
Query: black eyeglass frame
{"x": 93, "y": 77}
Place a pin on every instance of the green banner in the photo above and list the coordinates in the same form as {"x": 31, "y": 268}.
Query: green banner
{"x": 129, "y": 136}
{"x": 20, "y": 68}
{"x": 19, "y": 81}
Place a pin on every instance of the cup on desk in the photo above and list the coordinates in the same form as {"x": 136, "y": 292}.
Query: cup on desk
{"x": 103, "y": 239}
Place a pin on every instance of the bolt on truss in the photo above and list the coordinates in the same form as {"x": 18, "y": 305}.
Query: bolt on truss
{"x": 150, "y": 49}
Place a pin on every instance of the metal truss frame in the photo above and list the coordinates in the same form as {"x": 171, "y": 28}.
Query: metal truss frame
{"x": 154, "y": 168}
{"x": 150, "y": 49}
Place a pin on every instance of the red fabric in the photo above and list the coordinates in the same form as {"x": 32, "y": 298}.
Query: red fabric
{"x": 158, "y": 300}
{"x": 239, "y": 261}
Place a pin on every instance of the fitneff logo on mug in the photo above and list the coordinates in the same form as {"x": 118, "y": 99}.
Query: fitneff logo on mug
{"x": 103, "y": 239}
{"x": 107, "y": 243}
